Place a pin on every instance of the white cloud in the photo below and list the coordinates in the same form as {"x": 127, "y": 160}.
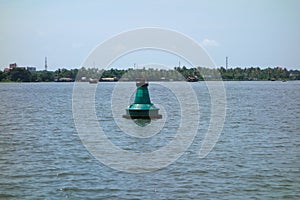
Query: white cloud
{"x": 208, "y": 42}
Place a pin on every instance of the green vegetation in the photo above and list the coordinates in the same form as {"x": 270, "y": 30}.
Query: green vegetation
{"x": 255, "y": 73}
{"x": 19, "y": 74}
{"x": 23, "y": 75}
{"x": 183, "y": 73}
{"x": 176, "y": 74}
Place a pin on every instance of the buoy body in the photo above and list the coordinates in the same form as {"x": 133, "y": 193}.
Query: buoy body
{"x": 142, "y": 108}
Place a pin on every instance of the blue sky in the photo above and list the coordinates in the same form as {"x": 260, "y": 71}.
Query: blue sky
{"x": 263, "y": 33}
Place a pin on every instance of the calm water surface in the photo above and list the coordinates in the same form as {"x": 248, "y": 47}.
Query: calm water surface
{"x": 257, "y": 155}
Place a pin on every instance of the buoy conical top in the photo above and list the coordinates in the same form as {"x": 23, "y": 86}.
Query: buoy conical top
{"x": 142, "y": 108}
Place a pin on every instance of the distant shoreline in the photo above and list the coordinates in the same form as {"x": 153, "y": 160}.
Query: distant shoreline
{"x": 149, "y": 81}
{"x": 171, "y": 75}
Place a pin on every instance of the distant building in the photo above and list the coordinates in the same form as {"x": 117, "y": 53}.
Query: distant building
{"x": 63, "y": 79}
{"x": 11, "y": 66}
{"x": 109, "y": 79}
{"x": 14, "y": 66}
{"x": 31, "y": 69}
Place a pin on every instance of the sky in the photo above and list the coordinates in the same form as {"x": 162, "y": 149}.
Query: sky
{"x": 264, "y": 33}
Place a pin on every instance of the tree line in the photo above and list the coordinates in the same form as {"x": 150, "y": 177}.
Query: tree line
{"x": 151, "y": 74}
{"x": 23, "y": 75}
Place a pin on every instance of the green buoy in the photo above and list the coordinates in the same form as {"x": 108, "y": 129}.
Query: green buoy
{"x": 142, "y": 108}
